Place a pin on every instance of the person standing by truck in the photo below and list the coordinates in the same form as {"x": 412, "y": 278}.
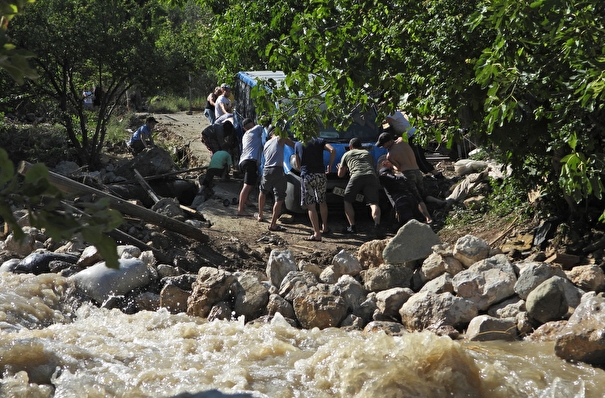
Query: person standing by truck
{"x": 273, "y": 178}
{"x": 359, "y": 164}
{"x": 252, "y": 148}
{"x": 309, "y": 160}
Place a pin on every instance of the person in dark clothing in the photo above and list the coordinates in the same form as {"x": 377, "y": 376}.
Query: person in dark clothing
{"x": 210, "y": 104}
{"x": 402, "y": 194}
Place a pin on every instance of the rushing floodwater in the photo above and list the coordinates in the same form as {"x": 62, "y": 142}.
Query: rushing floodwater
{"x": 105, "y": 353}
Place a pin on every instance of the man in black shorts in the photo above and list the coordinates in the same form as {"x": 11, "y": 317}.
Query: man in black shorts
{"x": 359, "y": 163}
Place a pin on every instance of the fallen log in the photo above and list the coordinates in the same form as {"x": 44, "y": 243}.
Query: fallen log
{"x": 70, "y": 186}
{"x": 159, "y": 176}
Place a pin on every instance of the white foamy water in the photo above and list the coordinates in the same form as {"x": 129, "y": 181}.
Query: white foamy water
{"x": 46, "y": 351}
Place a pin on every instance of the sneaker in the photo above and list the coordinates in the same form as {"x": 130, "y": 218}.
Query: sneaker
{"x": 350, "y": 230}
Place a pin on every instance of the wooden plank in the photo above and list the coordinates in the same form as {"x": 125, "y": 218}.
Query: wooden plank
{"x": 156, "y": 198}
{"x": 146, "y": 186}
{"x": 70, "y": 186}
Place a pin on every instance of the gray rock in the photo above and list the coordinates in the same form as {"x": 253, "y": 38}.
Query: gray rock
{"x": 486, "y": 282}
{"x": 390, "y": 328}
{"x": 38, "y": 262}
{"x": 147, "y": 301}
{"x": 10, "y": 265}
{"x": 437, "y": 264}
{"x": 534, "y": 273}
{"x": 131, "y": 250}
{"x": 352, "y": 322}
{"x": 278, "y": 304}
{"x": 100, "y": 282}
{"x": 412, "y": 242}
{"x": 331, "y": 274}
{"x": 367, "y": 308}
{"x": 508, "y": 308}
{"x": 433, "y": 311}
{"x": 386, "y": 277}
{"x": 319, "y": 310}
{"x": 583, "y": 337}
{"x": 174, "y": 299}
{"x": 279, "y": 264}
{"x": 297, "y": 283}
{"x": 486, "y": 328}
{"x": 89, "y": 256}
{"x": 440, "y": 284}
{"x": 251, "y": 297}
{"x": 212, "y": 286}
{"x": 553, "y": 299}
{"x": 347, "y": 263}
{"x": 220, "y": 311}
{"x": 470, "y": 249}
{"x": 351, "y": 291}
{"x": 388, "y": 302}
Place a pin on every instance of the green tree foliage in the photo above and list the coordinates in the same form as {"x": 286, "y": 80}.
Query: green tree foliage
{"x": 12, "y": 59}
{"x": 524, "y": 77}
{"x": 81, "y": 44}
{"x": 543, "y": 73}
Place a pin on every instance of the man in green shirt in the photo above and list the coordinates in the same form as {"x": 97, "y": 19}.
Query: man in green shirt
{"x": 359, "y": 163}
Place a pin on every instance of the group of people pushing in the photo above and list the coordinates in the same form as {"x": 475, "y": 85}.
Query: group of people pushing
{"x": 399, "y": 174}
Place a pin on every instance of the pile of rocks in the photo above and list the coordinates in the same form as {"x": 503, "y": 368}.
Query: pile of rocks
{"x": 411, "y": 282}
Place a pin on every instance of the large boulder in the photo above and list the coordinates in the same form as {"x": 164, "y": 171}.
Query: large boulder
{"x": 413, "y": 242}
{"x": 100, "y": 282}
{"x": 279, "y": 264}
{"x": 583, "y": 337}
{"x": 553, "y": 299}
{"x": 434, "y": 311}
{"x": 470, "y": 249}
{"x": 533, "y": 274}
{"x": 486, "y": 282}
{"x": 211, "y": 287}
{"x": 319, "y": 310}
{"x": 251, "y": 297}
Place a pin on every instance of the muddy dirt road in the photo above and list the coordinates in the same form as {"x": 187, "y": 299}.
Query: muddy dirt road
{"x": 234, "y": 233}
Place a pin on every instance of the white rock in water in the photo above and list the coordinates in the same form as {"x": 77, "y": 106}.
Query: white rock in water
{"x": 100, "y": 282}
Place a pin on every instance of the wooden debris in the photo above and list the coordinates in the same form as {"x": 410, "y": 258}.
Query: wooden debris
{"x": 70, "y": 186}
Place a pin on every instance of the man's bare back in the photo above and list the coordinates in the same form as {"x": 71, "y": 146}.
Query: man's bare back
{"x": 402, "y": 156}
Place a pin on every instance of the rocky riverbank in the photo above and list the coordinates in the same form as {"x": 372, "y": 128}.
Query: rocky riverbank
{"x": 408, "y": 283}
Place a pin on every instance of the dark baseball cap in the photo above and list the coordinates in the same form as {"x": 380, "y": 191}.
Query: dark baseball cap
{"x": 383, "y": 139}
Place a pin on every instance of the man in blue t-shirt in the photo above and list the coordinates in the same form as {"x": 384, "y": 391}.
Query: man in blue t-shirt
{"x": 143, "y": 138}
{"x": 309, "y": 160}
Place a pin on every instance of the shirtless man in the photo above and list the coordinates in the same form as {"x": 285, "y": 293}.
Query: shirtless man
{"x": 401, "y": 155}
